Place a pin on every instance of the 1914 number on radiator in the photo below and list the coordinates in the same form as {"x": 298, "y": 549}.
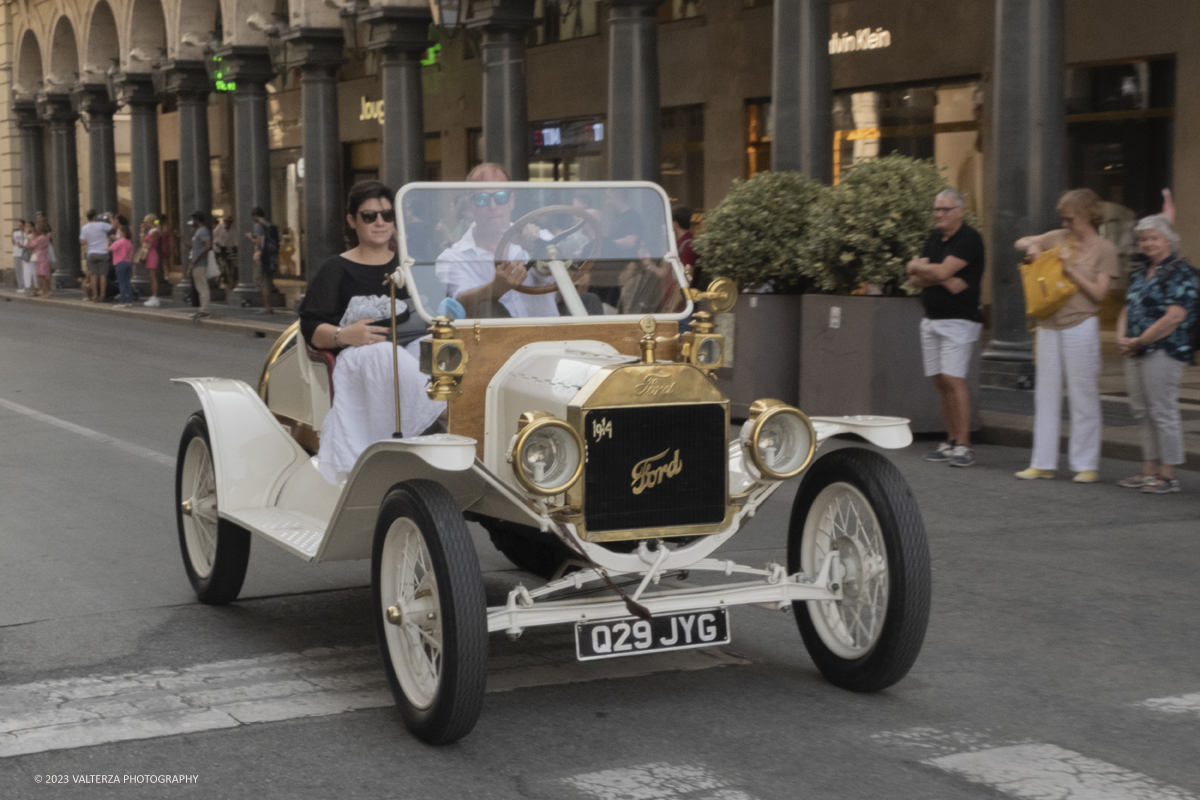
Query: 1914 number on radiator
{"x": 631, "y": 637}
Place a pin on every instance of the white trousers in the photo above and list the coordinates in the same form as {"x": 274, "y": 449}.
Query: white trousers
{"x": 1073, "y": 356}
{"x": 364, "y": 407}
{"x": 25, "y": 275}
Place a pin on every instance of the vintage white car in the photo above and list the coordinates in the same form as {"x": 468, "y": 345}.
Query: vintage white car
{"x": 592, "y": 445}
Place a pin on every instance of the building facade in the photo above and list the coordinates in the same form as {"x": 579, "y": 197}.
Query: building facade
{"x": 166, "y": 105}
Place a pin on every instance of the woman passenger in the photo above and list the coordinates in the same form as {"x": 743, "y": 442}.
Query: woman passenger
{"x": 363, "y": 409}
{"x": 1068, "y": 341}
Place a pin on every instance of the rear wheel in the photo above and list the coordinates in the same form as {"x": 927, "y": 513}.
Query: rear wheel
{"x": 430, "y": 611}
{"x": 215, "y": 551}
{"x": 856, "y": 502}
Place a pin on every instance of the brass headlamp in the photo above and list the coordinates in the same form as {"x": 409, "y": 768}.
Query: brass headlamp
{"x": 444, "y": 359}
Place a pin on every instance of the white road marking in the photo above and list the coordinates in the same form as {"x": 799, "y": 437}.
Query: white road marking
{"x": 1184, "y": 704}
{"x": 1031, "y": 770}
{"x": 1049, "y": 772}
{"x": 98, "y": 709}
{"x": 95, "y": 436}
{"x": 658, "y": 781}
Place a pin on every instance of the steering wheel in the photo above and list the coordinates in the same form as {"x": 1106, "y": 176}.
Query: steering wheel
{"x": 576, "y": 274}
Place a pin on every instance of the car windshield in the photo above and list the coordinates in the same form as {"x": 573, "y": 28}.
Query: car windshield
{"x": 539, "y": 250}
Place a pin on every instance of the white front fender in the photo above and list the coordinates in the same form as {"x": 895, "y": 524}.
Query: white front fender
{"x": 890, "y": 433}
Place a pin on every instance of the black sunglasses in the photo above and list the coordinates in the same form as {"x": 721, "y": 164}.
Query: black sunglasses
{"x": 501, "y": 197}
{"x": 389, "y": 215}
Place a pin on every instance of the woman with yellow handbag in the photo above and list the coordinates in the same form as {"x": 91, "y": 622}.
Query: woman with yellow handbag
{"x": 1068, "y": 337}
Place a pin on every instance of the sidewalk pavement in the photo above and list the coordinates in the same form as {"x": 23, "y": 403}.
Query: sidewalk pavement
{"x": 1006, "y": 415}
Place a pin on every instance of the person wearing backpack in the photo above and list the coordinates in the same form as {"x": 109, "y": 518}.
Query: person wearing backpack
{"x": 266, "y": 252}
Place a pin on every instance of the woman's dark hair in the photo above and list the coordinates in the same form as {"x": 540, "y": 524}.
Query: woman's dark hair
{"x": 360, "y": 193}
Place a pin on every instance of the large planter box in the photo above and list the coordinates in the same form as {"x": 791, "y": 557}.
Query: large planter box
{"x": 862, "y": 355}
{"x": 765, "y": 333}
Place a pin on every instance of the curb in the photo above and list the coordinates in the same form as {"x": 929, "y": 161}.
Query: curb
{"x": 1015, "y": 430}
{"x": 253, "y": 328}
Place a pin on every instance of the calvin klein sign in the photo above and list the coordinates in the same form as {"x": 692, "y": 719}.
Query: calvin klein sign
{"x": 862, "y": 39}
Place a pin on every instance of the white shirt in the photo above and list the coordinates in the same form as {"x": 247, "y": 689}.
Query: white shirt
{"x": 18, "y": 240}
{"x": 96, "y": 236}
{"x": 464, "y": 265}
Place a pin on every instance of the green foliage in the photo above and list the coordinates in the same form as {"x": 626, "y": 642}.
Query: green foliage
{"x": 871, "y": 224}
{"x": 758, "y": 233}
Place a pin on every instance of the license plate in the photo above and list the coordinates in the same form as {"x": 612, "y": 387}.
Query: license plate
{"x": 631, "y": 637}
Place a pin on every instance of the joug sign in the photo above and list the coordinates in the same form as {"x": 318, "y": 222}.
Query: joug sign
{"x": 862, "y": 39}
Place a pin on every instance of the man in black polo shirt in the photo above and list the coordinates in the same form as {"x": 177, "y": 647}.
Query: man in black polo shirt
{"x": 950, "y": 271}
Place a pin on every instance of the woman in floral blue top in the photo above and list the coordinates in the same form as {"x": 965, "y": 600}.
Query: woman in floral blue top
{"x": 1154, "y": 332}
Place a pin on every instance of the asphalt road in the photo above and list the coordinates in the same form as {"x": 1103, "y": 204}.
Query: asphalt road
{"x": 1061, "y": 657}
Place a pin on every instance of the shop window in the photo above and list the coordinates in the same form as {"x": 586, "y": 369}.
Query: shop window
{"x": 1120, "y": 139}
{"x": 474, "y": 148}
{"x": 562, "y": 20}
{"x": 287, "y": 208}
{"x": 674, "y": 10}
{"x": 682, "y": 168}
{"x": 567, "y": 150}
{"x": 433, "y": 157}
{"x": 758, "y": 137}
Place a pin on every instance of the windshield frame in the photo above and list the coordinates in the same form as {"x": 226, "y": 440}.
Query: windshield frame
{"x": 407, "y": 262}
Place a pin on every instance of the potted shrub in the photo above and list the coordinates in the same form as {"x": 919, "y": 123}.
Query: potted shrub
{"x": 860, "y": 349}
{"x": 757, "y": 236}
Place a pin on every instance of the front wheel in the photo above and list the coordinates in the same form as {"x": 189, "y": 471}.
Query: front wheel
{"x": 856, "y": 502}
{"x": 430, "y": 611}
{"x": 215, "y": 550}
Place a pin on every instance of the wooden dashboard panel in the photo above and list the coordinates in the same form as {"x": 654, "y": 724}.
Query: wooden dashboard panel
{"x": 497, "y": 344}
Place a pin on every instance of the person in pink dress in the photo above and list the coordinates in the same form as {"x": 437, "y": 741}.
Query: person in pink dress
{"x": 151, "y": 254}
{"x": 41, "y": 258}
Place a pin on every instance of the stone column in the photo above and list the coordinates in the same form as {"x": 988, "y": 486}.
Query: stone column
{"x": 633, "y": 118}
{"x": 318, "y": 54}
{"x": 137, "y": 92}
{"x": 57, "y": 111}
{"x": 504, "y": 26}
{"x": 401, "y": 35}
{"x": 250, "y": 69}
{"x": 802, "y": 90}
{"x": 98, "y": 108}
{"x": 1028, "y": 146}
{"x": 189, "y": 82}
{"x": 33, "y": 159}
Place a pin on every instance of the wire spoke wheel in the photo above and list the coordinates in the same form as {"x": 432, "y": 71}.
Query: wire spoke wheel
{"x": 855, "y": 502}
{"x": 430, "y": 611}
{"x": 215, "y": 551}
{"x": 841, "y": 519}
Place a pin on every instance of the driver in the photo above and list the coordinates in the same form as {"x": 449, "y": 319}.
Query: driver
{"x": 469, "y": 268}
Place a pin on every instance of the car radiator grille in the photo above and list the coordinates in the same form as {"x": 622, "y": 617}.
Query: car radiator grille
{"x": 654, "y": 466}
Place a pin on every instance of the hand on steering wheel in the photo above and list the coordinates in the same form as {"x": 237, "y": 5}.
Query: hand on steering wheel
{"x": 523, "y": 227}
{"x": 509, "y": 275}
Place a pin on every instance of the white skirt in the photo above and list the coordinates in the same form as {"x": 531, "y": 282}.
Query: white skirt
{"x": 364, "y": 408}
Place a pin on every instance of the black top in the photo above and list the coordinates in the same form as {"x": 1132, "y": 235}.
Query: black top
{"x": 337, "y": 281}
{"x": 625, "y": 223}
{"x": 967, "y": 244}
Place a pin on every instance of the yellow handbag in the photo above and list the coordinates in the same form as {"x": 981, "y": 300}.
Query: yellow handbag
{"x": 1047, "y": 289}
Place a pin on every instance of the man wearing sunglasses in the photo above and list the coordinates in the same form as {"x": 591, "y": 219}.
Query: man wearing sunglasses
{"x": 469, "y": 268}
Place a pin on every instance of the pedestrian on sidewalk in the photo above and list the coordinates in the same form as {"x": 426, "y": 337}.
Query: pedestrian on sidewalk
{"x": 1154, "y": 333}
{"x": 150, "y": 255}
{"x": 122, "y": 256}
{"x": 41, "y": 258}
{"x": 28, "y": 264}
{"x": 1068, "y": 341}
{"x": 19, "y": 256}
{"x": 198, "y": 261}
{"x": 225, "y": 246}
{"x": 95, "y": 235}
{"x": 266, "y": 252}
{"x": 949, "y": 272}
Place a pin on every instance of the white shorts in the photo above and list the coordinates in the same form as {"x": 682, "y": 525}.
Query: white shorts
{"x": 948, "y": 345}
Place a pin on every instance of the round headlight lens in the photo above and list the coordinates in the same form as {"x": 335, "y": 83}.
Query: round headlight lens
{"x": 548, "y": 457}
{"x": 449, "y": 358}
{"x": 782, "y": 442}
{"x": 709, "y": 353}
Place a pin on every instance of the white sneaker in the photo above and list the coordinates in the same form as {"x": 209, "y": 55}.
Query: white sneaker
{"x": 22, "y": 291}
{"x": 153, "y": 302}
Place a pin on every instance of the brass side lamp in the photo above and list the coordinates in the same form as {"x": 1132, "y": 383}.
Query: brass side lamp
{"x": 444, "y": 359}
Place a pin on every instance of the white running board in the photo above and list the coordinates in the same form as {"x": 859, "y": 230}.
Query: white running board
{"x": 291, "y": 530}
